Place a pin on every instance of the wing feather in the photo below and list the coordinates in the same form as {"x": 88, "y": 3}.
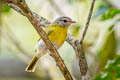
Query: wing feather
{"x": 49, "y": 30}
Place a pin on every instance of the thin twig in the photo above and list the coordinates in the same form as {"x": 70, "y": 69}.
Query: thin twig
{"x": 82, "y": 60}
{"x": 87, "y": 22}
{"x": 77, "y": 44}
{"x": 54, "y": 53}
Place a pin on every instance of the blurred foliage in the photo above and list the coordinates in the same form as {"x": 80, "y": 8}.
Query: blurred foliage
{"x": 101, "y": 10}
{"x": 4, "y": 8}
{"x": 71, "y": 1}
{"x": 110, "y": 14}
{"x": 105, "y": 5}
{"x": 80, "y": 0}
{"x": 112, "y": 26}
{"x": 112, "y": 70}
{"x": 75, "y": 29}
{"x": 108, "y": 49}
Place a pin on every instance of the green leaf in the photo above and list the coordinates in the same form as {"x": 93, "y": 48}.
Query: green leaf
{"x": 110, "y": 14}
{"x": 4, "y": 8}
{"x": 75, "y": 29}
{"x": 98, "y": 77}
{"x": 111, "y": 27}
{"x": 70, "y": 1}
{"x": 80, "y": 0}
{"x": 103, "y": 76}
{"x": 101, "y": 10}
{"x": 108, "y": 49}
{"x": 112, "y": 70}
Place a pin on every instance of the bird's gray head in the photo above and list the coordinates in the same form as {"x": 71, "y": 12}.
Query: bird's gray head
{"x": 64, "y": 21}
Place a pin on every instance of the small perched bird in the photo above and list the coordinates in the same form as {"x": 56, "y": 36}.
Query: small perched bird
{"x": 57, "y": 33}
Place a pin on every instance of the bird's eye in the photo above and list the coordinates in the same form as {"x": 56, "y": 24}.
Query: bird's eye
{"x": 65, "y": 20}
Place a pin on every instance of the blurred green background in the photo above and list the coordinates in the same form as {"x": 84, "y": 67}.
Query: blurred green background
{"x": 101, "y": 45}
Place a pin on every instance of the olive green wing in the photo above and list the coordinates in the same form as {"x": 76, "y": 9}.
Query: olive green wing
{"x": 49, "y": 30}
{"x": 48, "y": 33}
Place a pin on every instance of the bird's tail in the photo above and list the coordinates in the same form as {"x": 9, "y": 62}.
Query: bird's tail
{"x": 32, "y": 65}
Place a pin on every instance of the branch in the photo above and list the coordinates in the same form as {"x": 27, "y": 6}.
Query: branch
{"x": 82, "y": 60}
{"x": 16, "y": 8}
{"x": 77, "y": 44}
{"x": 87, "y": 22}
{"x": 54, "y": 53}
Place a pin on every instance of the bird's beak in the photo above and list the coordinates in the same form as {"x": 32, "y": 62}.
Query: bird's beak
{"x": 70, "y": 22}
{"x": 73, "y": 22}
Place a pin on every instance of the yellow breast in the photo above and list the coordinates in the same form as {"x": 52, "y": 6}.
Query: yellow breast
{"x": 57, "y": 34}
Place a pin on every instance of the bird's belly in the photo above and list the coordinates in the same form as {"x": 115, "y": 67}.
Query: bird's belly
{"x": 60, "y": 40}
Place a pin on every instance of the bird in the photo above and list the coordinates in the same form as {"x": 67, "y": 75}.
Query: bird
{"x": 57, "y": 33}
